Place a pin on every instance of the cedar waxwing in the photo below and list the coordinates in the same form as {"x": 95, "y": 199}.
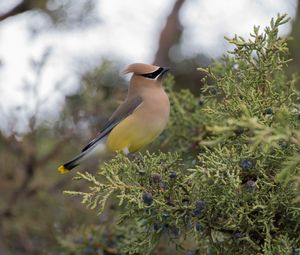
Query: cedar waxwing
{"x": 137, "y": 121}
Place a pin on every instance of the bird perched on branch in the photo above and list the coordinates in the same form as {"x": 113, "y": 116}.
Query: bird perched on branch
{"x": 137, "y": 121}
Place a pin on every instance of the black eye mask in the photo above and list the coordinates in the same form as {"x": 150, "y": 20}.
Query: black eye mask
{"x": 154, "y": 74}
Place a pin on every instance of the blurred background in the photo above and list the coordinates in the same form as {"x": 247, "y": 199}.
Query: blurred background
{"x": 59, "y": 81}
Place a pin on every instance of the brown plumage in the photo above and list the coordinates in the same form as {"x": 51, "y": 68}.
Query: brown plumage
{"x": 138, "y": 120}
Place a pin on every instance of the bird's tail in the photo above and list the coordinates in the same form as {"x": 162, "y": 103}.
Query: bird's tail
{"x": 71, "y": 164}
{"x": 96, "y": 149}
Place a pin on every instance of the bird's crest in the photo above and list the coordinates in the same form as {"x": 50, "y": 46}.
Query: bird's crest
{"x": 139, "y": 68}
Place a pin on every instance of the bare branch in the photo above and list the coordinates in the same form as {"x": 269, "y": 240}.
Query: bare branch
{"x": 29, "y": 168}
{"x": 23, "y": 6}
{"x": 170, "y": 34}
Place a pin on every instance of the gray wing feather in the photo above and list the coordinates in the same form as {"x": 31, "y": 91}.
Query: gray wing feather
{"x": 123, "y": 111}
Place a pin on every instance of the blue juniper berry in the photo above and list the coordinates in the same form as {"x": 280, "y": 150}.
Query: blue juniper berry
{"x": 172, "y": 175}
{"x": 198, "y": 227}
{"x": 237, "y": 235}
{"x": 250, "y": 184}
{"x": 156, "y": 178}
{"x": 147, "y": 198}
{"x": 174, "y": 231}
{"x": 246, "y": 164}
{"x": 190, "y": 253}
{"x": 200, "y": 204}
{"x": 269, "y": 111}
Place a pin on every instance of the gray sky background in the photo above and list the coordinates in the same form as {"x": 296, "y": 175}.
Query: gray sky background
{"x": 128, "y": 31}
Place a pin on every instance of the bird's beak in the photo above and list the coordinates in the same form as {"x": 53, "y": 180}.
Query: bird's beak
{"x": 164, "y": 71}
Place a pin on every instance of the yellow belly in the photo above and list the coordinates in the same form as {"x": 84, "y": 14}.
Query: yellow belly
{"x": 132, "y": 134}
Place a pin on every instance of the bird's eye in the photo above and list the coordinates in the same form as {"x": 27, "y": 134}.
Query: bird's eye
{"x": 149, "y": 75}
{"x": 154, "y": 74}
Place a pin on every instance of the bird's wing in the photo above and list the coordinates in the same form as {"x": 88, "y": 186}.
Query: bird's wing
{"x": 123, "y": 111}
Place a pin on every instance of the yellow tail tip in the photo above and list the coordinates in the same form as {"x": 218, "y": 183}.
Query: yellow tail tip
{"x": 62, "y": 169}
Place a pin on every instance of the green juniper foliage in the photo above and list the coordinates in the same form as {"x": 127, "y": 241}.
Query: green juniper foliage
{"x": 230, "y": 181}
